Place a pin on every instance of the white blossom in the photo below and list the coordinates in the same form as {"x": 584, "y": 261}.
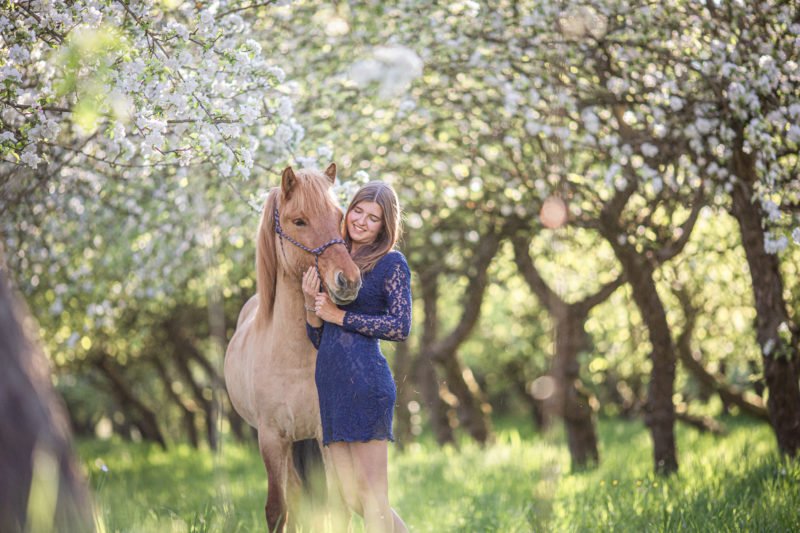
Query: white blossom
{"x": 773, "y": 244}
{"x": 393, "y": 67}
{"x": 771, "y": 209}
{"x": 325, "y": 153}
{"x": 30, "y": 157}
{"x": 649, "y": 150}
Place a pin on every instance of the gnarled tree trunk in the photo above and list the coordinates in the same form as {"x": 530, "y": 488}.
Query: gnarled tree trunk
{"x": 472, "y": 408}
{"x": 779, "y": 353}
{"x": 659, "y": 411}
{"x": 569, "y": 399}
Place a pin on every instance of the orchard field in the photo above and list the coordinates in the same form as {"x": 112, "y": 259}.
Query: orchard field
{"x": 601, "y": 212}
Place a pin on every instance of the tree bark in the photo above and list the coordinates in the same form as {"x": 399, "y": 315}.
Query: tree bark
{"x": 573, "y": 403}
{"x": 779, "y": 352}
{"x": 36, "y": 454}
{"x": 639, "y": 268}
{"x": 659, "y": 411}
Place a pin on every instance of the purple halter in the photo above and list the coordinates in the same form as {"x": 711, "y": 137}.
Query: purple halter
{"x": 316, "y": 252}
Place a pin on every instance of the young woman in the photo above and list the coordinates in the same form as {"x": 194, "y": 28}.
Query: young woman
{"x": 355, "y": 385}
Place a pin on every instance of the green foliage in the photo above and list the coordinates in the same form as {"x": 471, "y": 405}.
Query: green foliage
{"x": 518, "y": 483}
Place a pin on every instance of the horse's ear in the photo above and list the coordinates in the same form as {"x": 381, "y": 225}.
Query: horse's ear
{"x": 266, "y": 258}
{"x": 288, "y": 181}
{"x": 331, "y": 172}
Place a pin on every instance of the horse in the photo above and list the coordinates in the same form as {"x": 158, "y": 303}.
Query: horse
{"x": 270, "y": 362}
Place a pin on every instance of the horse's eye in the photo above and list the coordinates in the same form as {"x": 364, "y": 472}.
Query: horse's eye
{"x": 299, "y": 222}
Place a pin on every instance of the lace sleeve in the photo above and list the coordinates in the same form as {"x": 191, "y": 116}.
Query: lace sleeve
{"x": 314, "y": 334}
{"x": 395, "y": 323}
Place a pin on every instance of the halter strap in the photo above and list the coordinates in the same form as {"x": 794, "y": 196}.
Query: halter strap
{"x": 316, "y": 252}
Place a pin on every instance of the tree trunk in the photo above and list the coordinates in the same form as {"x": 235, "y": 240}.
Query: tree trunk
{"x": 186, "y": 412}
{"x": 185, "y": 349}
{"x": 425, "y": 370}
{"x": 779, "y": 352}
{"x": 36, "y": 457}
{"x": 701, "y": 423}
{"x": 572, "y": 402}
{"x": 199, "y": 391}
{"x": 569, "y": 400}
{"x": 472, "y": 409}
{"x": 145, "y": 419}
{"x": 437, "y": 407}
{"x": 659, "y": 411}
{"x": 514, "y": 372}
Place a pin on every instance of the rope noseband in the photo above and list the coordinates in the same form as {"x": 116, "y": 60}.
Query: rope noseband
{"x": 316, "y": 252}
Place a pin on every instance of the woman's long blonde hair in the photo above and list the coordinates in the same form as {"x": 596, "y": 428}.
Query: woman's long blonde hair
{"x": 384, "y": 195}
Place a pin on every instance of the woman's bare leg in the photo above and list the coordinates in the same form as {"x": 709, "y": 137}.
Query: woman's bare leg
{"x": 345, "y": 474}
{"x": 370, "y": 461}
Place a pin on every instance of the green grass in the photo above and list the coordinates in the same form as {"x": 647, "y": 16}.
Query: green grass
{"x": 519, "y": 483}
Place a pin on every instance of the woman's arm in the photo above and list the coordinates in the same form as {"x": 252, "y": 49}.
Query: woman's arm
{"x": 314, "y": 323}
{"x": 395, "y": 324}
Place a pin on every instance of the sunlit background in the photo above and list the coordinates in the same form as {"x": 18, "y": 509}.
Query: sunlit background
{"x": 601, "y": 214}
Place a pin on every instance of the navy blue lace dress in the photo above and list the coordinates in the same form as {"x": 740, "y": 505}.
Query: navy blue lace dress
{"x": 355, "y": 385}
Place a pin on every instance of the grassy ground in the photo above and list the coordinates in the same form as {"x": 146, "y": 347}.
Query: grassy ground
{"x": 520, "y": 483}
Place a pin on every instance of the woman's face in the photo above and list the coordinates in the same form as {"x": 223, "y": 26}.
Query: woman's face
{"x": 365, "y": 222}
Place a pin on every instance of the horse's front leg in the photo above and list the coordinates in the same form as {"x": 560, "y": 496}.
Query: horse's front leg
{"x": 275, "y": 454}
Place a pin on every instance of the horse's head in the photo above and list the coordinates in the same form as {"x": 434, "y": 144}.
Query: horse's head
{"x": 300, "y": 228}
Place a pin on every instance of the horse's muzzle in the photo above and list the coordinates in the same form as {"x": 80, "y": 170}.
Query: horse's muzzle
{"x": 345, "y": 291}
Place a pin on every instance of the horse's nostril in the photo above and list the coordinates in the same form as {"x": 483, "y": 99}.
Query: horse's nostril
{"x": 340, "y": 280}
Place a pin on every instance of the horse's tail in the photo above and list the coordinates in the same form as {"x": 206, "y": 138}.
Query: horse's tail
{"x": 308, "y": 463}
{"x": 266, "y": 257}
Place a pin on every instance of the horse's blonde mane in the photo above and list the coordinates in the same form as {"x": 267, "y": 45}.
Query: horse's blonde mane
{"x": 303, "y": 197}
{"x": 266, "y": 258}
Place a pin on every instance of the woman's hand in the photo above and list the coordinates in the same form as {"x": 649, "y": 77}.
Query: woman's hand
{"x": 327, "y": 310}
{"x": 310, "y": 287}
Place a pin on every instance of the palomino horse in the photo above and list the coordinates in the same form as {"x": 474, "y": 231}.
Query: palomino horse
{"x": 269, "y": 364}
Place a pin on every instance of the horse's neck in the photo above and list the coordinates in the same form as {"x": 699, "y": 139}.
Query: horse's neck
{"x": 289, "y": 311}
